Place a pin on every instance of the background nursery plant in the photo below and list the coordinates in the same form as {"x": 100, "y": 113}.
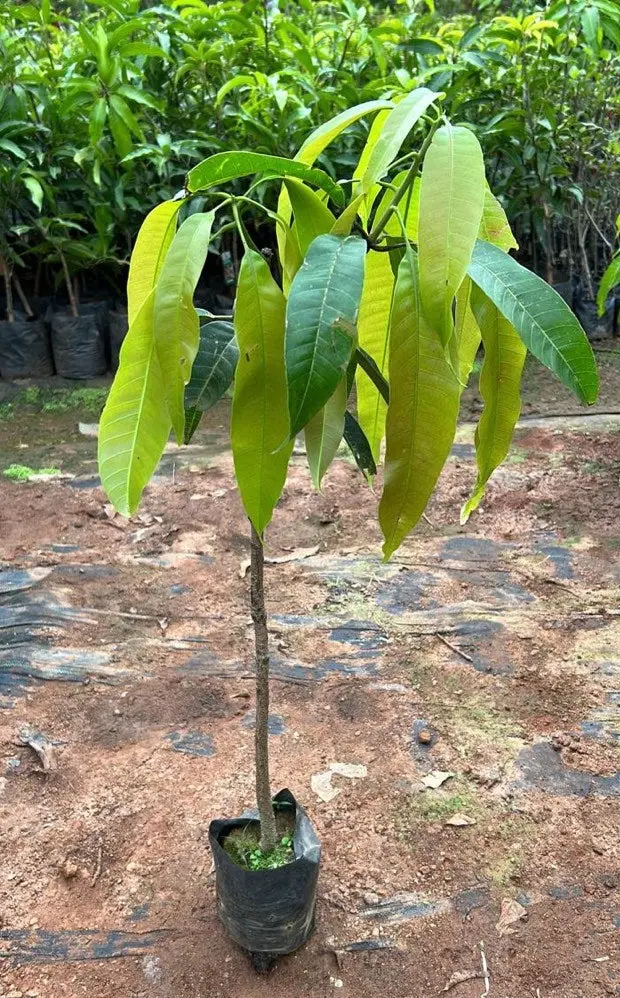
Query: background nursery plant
{"x": 390, "y": 279}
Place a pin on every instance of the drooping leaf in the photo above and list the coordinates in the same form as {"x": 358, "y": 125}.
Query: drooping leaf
{"x": 312, "y": 217}
{"x": 541, "y": 318}
{"x": 321, "y": 323}
{"x": 149, "y": 252}
{"x": 192, "y": 422}
{"x": 372, "y": 328}
{"x": 176, "y": 326}
{"x": 467, "y": 333}
{"x": 135, "y": 423}
{"x": 225, "y": 166}
{"x": 120, "y": 134}
{"x": 397, "y": 126}
{"x": 212, "y": 372}
{"x": 367, "y": 196}
{"x": 451, "y": 204}
{"x": 259, "y": 421}
{"x": 494, "y": 225}
{"x": 324, "y": 432}
{"x": 422, "y": 414}
{"x": 500, "y": 380}
{"x": 609, "y": 280}
{"x": 97, "y": 119}
{"x": 358, "y": 444}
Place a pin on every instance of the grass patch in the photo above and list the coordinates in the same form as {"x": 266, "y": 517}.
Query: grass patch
{"x": 436, "y": 806}
{"x": 91, "y": 400}
{"x": 6, "y": 411}
{"x": 22, "y": 473}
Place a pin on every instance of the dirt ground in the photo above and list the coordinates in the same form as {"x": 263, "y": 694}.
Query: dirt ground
{"x": 489, "y": 652}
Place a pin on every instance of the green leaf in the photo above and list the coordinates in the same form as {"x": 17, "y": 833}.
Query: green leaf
{"x": 397, "y": 126}
{"x": 259, "y": 414}
{"x": 127, "y": 116}
{"x": 35, "y": 190}
{"x": 467, "y": 333}
{"x": 541, "y": 318}
{"x": 324, "y": 432}
{"x": 97, "y": 119}
{"x": 120, "y": 134}
{"x": 494, "y": 226}
{"x": 135, "y": 423}
{"x": 358, "y": 444}
{"x": 9, "y": 146}
{"x": 176, "y": 326}
{"x": 367, "y": 197}
{"x": 152, "y": 244}
{"x": 372, "y": 329}
{"x": 609, "y": 280}
{"x": 451, "y": 204}
{"x": 214, "y": 367}
{"x": 422, "y": 414}
{"x": 500, "y": 380}
{"x": 226, "y": 166}
{"x": 138, "y": 96}
{"x": 192, "y": 422}
{"x": 241, "y": 80}
{"x": 312, "y": 217}
{"x": 321, "y": 317}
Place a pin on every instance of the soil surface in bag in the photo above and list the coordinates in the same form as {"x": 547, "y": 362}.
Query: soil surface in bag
{"x": 25, "y": 350}
{"x": 78, "y": 345}
{"x": 268, "y": 911}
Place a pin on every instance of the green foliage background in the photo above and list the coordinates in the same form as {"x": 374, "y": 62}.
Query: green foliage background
{"x": 104, "y": 107}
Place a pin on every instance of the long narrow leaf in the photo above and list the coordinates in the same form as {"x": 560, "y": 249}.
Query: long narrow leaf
{"x": 312, "y": 217}
{"x": 176, "y": 326}
{"x": 500, "y": 380}
{"x": 541, "y": 318}
{"x": 259, "y": 421}
{"x": 609, "y": 280}
{"x": 152, "y": 244}
{"x": 321, "y": 323}
{"x": 212, "y": 372}
{"x": 373, "y": 327}
{"x": 135, "y": 423}
{"x": 358, "y": 444}
{"x": 451, "y": 204}
{"x": 422, "y": 414}
{"x": 226, "y": 166}
{"x": 397, "y": 126}
{"x": 324, "y": 433}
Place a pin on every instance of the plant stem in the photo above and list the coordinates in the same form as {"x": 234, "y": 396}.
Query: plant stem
{"x": 6, "y": 270}
{"x": 22, "y": 297}
{"x": 412, "y": 173}
{"x": 261, "y": 733}
{"x": 70, "y": 291}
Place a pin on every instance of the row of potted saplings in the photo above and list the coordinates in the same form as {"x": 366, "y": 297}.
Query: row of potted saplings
{"x": 38, "y": 339}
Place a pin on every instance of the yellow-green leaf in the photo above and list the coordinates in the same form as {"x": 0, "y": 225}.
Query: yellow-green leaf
{"x": 422, "y": 414}
{"x": 372, "y": 329}
{"x": 312, "y": 216}
{"x": 409, "y": 209}
{"x": 467, "y": 333}
{"x": 135, "y": 423}
{"x": 176, "y": 327}
{"x": 259, "y": 422}
{"x": 494, "y": 226}
{"x": 324, "y": 433}
{"x": 154, "y": 238}
{"x": 451, "y": 204}
{"x": 500, "y": 379}
{"x": 395, "y": 130}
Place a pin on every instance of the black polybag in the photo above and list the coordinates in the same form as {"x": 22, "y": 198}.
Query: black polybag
{"x": 268, "y": 911}
{"x": 25, "y": 349}
{"x": 78, "y": 345}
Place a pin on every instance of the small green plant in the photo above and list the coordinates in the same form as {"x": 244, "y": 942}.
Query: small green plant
{"x": 88, "y": 399}
{"x": 6, "y": 411}
{"x": 243, "y": 846}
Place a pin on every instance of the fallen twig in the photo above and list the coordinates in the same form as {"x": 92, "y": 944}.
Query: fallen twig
{"x": 485, "y": 972}
{"x": 99, "y": 866}
{"x": 453, "y": 648}
{"x": 460, "y": 976}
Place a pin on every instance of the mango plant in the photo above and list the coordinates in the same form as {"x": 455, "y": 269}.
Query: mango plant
{"x": 389, "y": 278}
